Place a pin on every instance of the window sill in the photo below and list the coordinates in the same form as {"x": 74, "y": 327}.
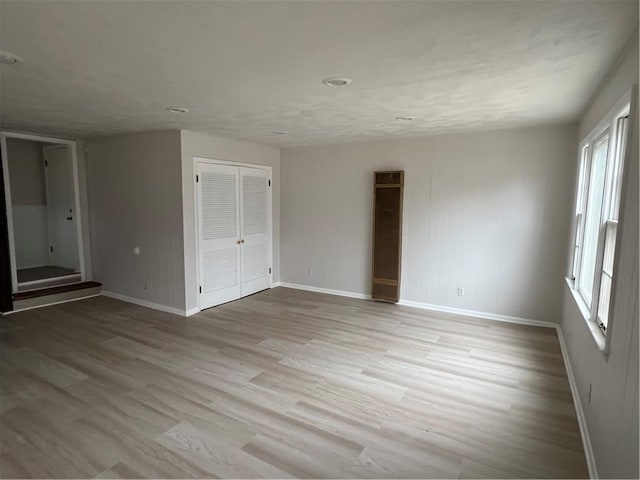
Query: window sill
{"x": 599, "y": 338}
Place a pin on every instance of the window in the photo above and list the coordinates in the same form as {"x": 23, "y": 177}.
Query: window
{"x": 595, "y": 197}
{"x": 578, "y": 221}
{"x": 596, "y": 215}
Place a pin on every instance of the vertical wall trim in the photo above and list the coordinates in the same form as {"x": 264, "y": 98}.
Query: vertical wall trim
{"x": 6, "y": 301}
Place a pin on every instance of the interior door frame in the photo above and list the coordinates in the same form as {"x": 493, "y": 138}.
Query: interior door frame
{"x": 6, "y": 298}
{"x": 73, "y": 146}
{"x": 230, "y": 163}
{"x": 47, "y": 181}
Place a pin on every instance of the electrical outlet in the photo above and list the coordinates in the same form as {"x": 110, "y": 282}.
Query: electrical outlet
{"x": 460, "y": 292}
{"x": 309, "y": 272}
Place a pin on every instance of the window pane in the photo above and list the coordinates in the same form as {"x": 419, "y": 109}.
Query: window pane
{"x": 576, "y": 248}
{"x": 605, "y": 297}
{"x": 592, "y": 217}
{"x": 609, "y": 248}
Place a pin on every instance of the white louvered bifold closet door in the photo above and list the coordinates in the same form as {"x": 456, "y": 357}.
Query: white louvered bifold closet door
{"x": 256, "y": 238}
{"x": 218, "y": 203}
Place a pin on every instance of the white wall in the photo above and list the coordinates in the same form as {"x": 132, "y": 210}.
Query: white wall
{"x": 135, "y": 198}
{"x": 26, "y": 172}
{"x": 612, "y": 414}
{"x": 141, "y": 194}
{"x": 196, "y": 144}
{"x": 31, "y": 235}
{"x": 28, "y": 202}
{"x": 487, "y": 211}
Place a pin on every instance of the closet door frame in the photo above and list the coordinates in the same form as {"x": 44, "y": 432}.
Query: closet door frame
{"x": 212, "y": 161}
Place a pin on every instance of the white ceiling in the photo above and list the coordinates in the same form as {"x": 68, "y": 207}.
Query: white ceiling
{"x": 246, "y": 69}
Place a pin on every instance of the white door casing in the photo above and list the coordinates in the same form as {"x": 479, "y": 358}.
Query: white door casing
{"x": 62, "y": 217}
{"x": 233, "y": 222}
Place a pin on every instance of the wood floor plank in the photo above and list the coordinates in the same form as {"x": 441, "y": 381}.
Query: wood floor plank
{"x": 283, "y": 383}
{"x": 29, "y": 462}
{"x": 296, "y": 458}
{"x": 120, "y": 470}
{"x": 40, "y": 365}
{"x": 108, "y": 440}
{"x": 219, "y": 455}
{"x": 50, "y": 437}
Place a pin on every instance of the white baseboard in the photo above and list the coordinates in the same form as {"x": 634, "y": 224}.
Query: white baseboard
{"x": 424, "y": 306}
{"x": 192, "y": 311}
{"x": 582, "y": 421}
{"x": 584, "y": 433}
{"x": 144, "y": 303}
{"x": 477, "y": 314}
{"x": 309, "y": 288}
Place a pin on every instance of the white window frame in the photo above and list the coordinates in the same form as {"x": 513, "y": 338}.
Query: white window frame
{"x": 588, "y": 297}
{"x": 617, "y": 157}
{"x": 579, "y": 213}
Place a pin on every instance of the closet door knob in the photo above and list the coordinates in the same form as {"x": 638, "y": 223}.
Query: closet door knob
{"x": 238, "y": 242}
{"x": 242, "y": 241}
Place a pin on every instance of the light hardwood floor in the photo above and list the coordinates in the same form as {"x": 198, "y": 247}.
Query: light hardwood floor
{"x": 281, "y": 384}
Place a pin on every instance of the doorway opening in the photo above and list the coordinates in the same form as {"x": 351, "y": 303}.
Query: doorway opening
{"x": 43, "y": 210}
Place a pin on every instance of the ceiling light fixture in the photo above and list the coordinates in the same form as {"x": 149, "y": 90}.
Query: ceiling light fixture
{"x": 337, "y": 81}
{"x": 8, "y": 58}
{"x": 177, "y": 109}
{"x": 405, "y": 119}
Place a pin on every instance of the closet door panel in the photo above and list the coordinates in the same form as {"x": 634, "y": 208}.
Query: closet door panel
{"x": 219, "y": 233}
{"x": 256, "y": 230}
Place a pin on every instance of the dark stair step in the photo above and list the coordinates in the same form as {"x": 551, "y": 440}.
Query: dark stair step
{"x": 41, "y": 292}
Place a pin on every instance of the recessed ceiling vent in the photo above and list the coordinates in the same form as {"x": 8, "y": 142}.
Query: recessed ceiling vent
{"x": 337, "y": 81}
{"x": 8, "y": 58}
{"x": 178, "y": 109}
